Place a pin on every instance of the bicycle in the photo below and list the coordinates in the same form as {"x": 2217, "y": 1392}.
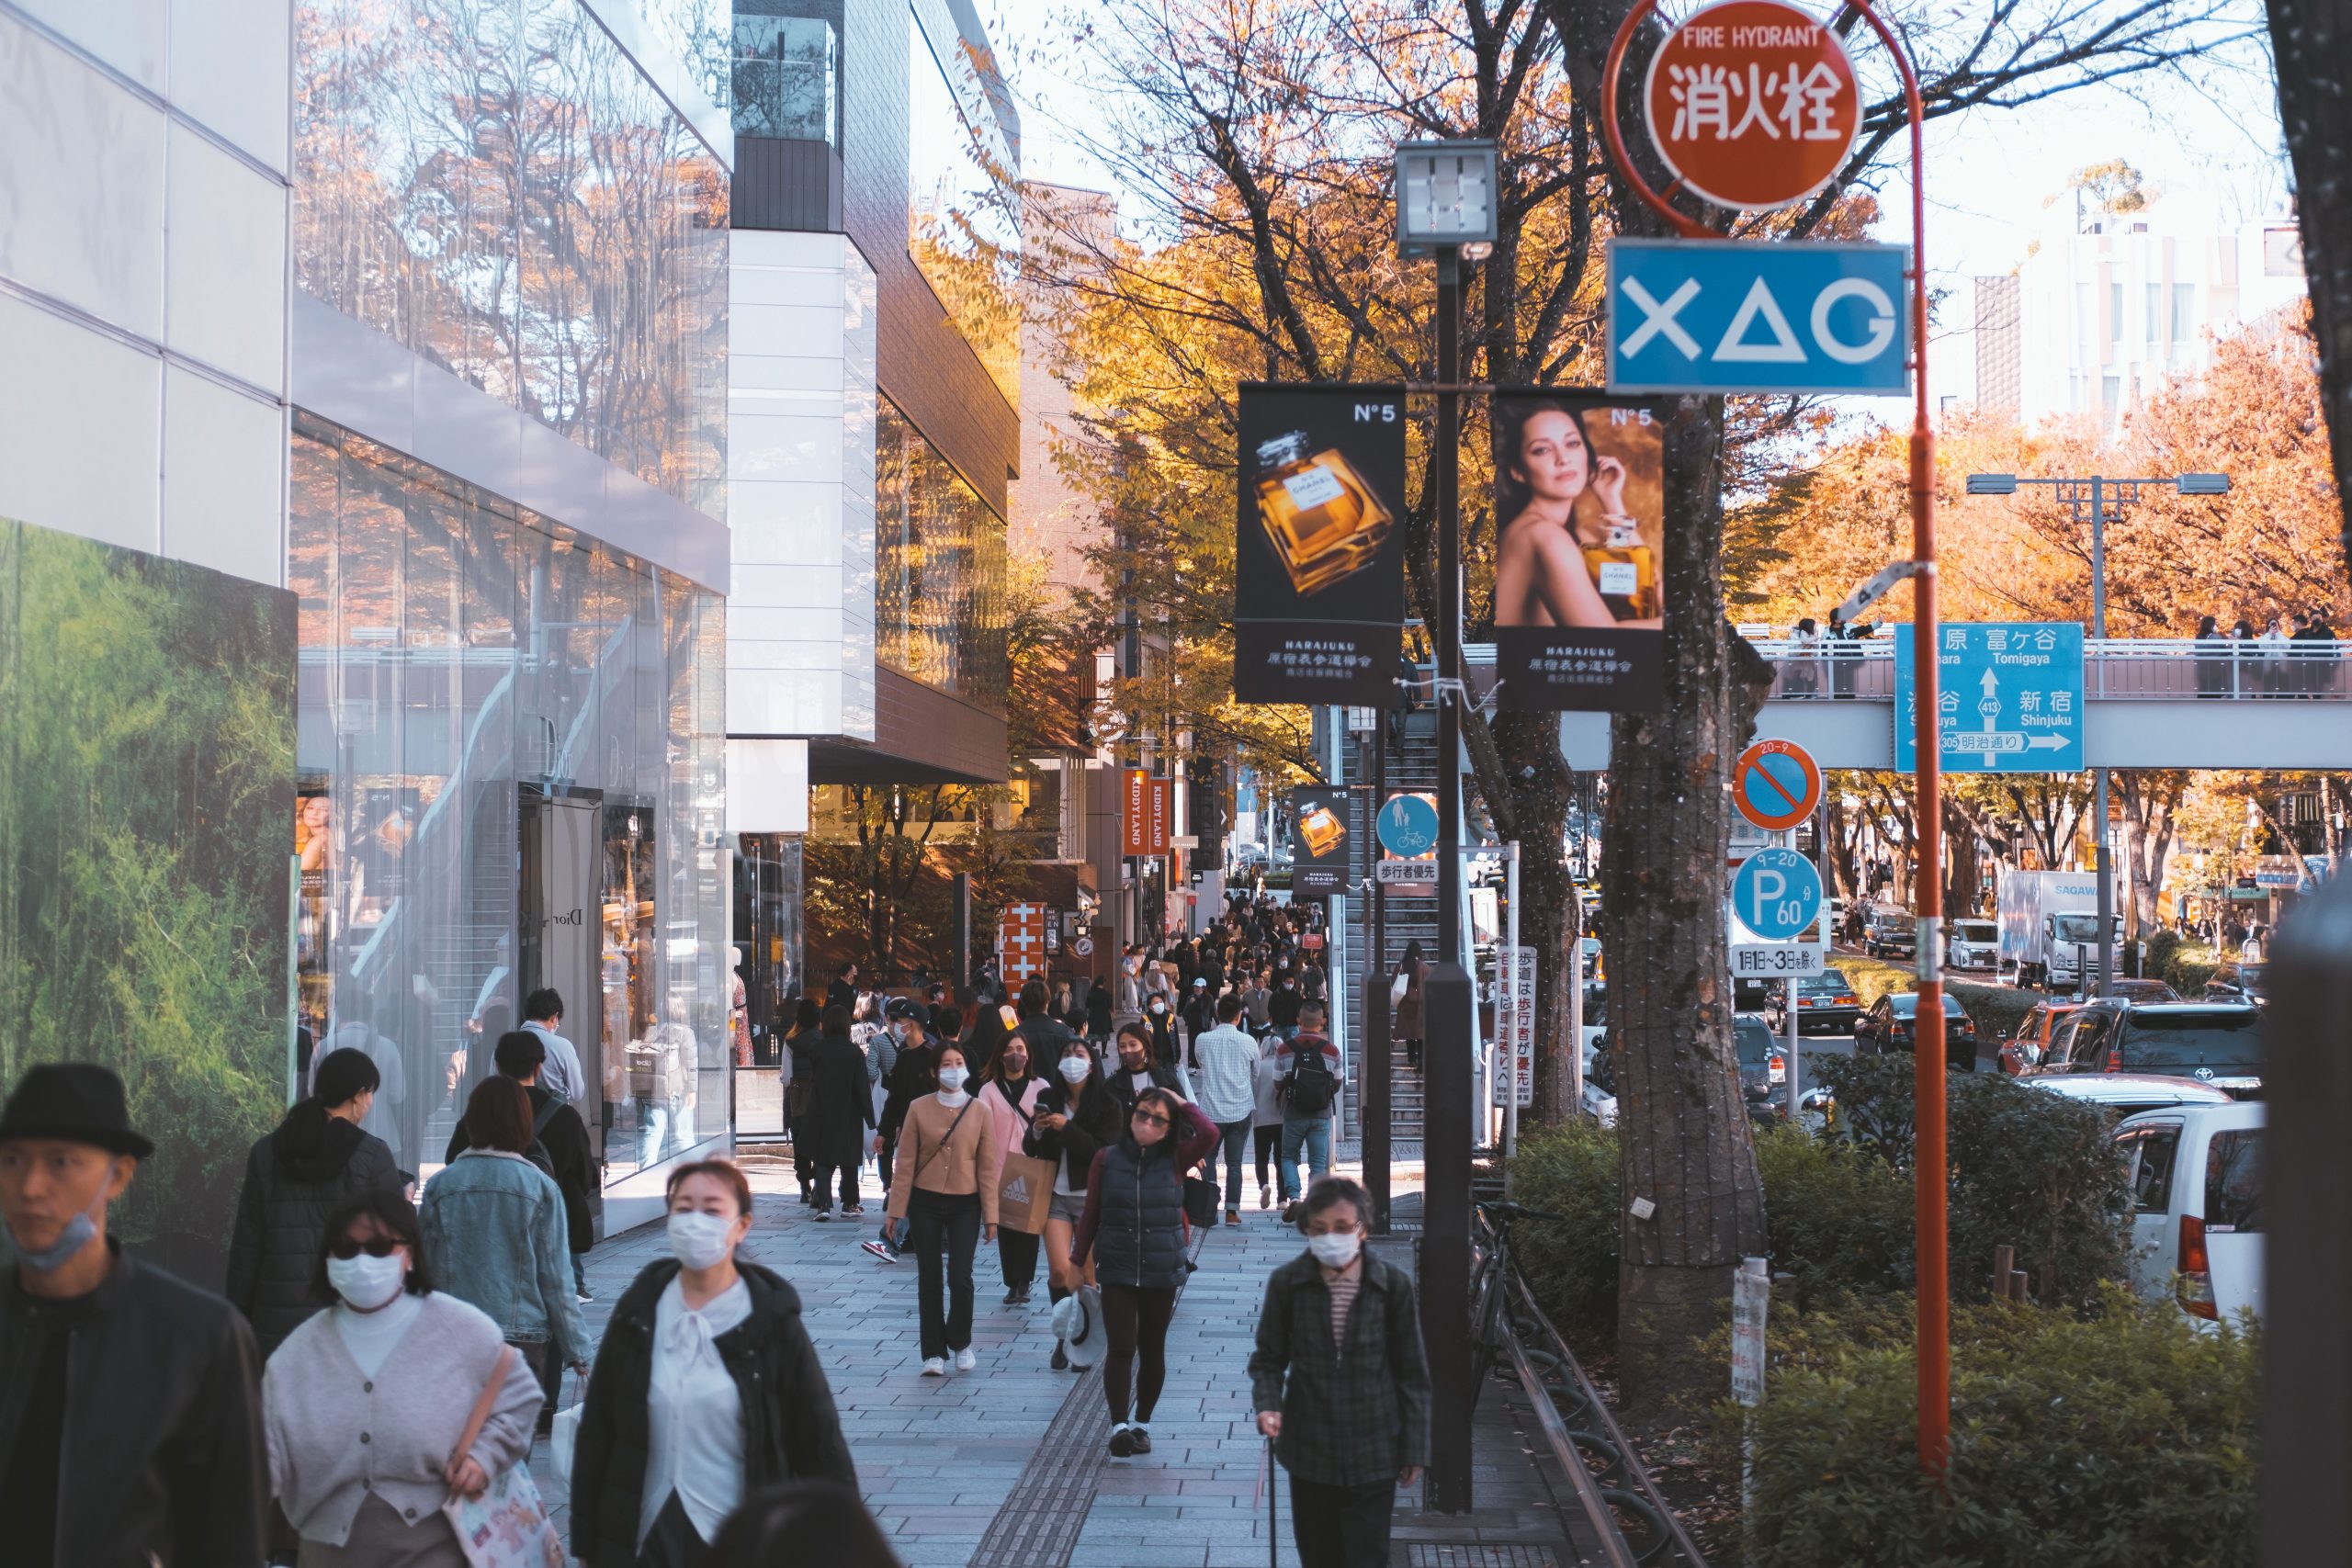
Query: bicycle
{"x": 1490, "y": 1316}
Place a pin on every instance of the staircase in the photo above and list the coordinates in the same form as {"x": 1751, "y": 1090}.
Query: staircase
{"x": 1412, "y": 768}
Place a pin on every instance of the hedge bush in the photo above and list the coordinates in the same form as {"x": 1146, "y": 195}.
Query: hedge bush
{"x": 2187, "y": 965}
{"x": 2029, "y": 1170}
{"x": 1997, "y": 1009}
{"x": 1841, "y": 1220}
{"x": 2123, "y": 1437}
{"x": 1570, "y": 1171}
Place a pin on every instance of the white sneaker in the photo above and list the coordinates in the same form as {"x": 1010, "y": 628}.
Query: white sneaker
{"x": 933, "y": 1367}
{"x": 966, "y": 1361}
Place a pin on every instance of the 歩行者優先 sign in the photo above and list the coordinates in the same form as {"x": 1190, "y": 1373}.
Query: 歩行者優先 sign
{"x": 1515, "y": 1026}
{"x": 1742, "y": 316}
{"x": 1776, "y": 893}
{"x": 1579, "y": 557}
{"x": 1753, "y": 104}
{"x": 2010, "y": 697}
{"x": 1404, "y": 872}
{"x": 1776, "y": 784}
{"x": 1774, "y": 960}
{"x": 1318, "y": 590}
{"x": 1319, "y": 840}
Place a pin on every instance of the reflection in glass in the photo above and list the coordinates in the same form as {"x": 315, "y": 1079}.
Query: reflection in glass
{"x": 456, "y": 650}
{"x": 939, "y": 570}
{"x": 493, "y": 184}
{"x": 785, "y": 78}
{"x": 962, "y": 222}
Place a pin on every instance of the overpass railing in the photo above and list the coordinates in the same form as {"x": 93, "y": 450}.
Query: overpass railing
{"x": 2114, "y": 669}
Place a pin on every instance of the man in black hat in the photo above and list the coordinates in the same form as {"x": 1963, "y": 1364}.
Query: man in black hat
{"x": 130, "y": 1409}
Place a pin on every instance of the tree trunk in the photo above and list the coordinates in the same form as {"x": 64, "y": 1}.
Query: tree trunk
{"x": 1528, "y": 744}
{"x": 1682, "y": 1122}
{"x": 1963, "y": 891}
{"x": 2310, "y": 43}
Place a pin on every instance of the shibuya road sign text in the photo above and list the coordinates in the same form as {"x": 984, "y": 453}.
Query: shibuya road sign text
{"x": 1740, "y": 316}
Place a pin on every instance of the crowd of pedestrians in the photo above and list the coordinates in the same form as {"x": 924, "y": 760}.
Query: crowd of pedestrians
{"x": 388, "y": 1355}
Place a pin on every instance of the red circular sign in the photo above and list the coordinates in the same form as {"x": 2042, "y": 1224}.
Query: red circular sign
{"x": 1753, "y": 104}
{"x": 1776, "y": 784}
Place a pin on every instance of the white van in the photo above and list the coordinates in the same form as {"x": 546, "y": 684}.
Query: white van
{"x": 2197, "y": 1217}
{"x": 1973, "y": 944}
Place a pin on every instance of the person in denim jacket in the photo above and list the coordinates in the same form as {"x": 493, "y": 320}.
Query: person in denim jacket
{"x": 494, "y": 1235}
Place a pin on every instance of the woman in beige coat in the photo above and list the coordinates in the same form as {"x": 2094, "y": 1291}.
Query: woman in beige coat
{"x": 945, "y": 1188}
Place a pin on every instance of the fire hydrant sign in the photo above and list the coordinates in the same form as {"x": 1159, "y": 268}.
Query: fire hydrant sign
{"x": 1753, "y": 104}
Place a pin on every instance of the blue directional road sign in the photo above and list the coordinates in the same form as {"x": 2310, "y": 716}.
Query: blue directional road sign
{"x": 1748, "y": 316}
{"x": 1776, "y": 893}
{"x": 1407, "y": 825}
{"x": 2010, "y": 697}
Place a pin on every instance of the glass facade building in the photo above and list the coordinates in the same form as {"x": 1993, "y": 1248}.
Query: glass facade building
{"x": 464, "y": 661}
{"x": 939, "y": 585}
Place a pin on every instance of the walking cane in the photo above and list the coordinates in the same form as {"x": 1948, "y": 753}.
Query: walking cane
{"x": 1273, "y": 1510}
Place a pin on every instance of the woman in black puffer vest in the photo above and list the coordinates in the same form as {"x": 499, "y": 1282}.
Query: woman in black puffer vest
{"x": 1134, "y": 1225}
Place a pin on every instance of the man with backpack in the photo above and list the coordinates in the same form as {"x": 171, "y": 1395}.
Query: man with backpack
{"x": 1308, "y": 1070}
{"x": 559, "y": 1145}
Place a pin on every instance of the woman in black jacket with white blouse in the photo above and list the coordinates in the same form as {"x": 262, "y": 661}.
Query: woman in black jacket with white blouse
{"x": 1075, "y": 1118}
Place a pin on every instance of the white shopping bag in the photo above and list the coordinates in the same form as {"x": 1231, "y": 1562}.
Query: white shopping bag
{"x": 566, "y": 1435}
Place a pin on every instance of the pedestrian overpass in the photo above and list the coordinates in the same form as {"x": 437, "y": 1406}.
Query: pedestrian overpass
{"x": 2149, "y": 702}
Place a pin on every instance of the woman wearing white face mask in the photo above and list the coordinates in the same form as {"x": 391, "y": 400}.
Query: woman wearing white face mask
{"x": 1075, "y": 1116}
{"x": 945, "y": 1188}
{"x": 364, "y": 1405}
{"x": 705, "y": 1389}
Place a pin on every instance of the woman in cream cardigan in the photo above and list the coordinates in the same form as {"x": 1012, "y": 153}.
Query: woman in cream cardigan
{"x": 943, "y": 1186}
{"x": 363, "y": 1403}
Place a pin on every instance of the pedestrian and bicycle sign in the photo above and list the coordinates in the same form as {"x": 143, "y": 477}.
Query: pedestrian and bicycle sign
{"x": 1742, "y": 316}
{"x": 1407, "y": 825}
{"x": 1753, "y": 104}
{"x": 1776, "y": 893}
{"x": 1776, "y": 784}
{"x": 2009, "y": 698}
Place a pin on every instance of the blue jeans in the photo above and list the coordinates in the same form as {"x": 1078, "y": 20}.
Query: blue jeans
{"x": 1236, "y": 1135}
{"x": 653, "y": 1119}
{"x": 1312, "y": 1136}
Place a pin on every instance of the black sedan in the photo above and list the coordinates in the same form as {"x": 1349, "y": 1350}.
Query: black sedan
{"x": 1825, "y": 1004}
{"x": 1889, "y": 1024}
{"x": 1763, "y": 1069}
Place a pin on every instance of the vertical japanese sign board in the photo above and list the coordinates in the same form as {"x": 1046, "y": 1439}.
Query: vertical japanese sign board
{"x": 1319, "y": 842}
{"x": 1580, "y": 557}
{"x": 1318, "y": 592}
{"x": 1515, "y": 1025}
{"x": 1143, "y": 814}
{"x": 1751, "y": 1294}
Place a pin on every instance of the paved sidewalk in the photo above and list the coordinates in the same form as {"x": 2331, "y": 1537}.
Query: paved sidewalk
{"x": 1008, "y": 1467}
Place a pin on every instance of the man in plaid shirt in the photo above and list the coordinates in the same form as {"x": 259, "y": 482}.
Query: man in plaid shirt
{"x": 1341, "y": 1384}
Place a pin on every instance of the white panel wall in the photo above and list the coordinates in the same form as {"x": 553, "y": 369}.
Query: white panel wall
{"x": 801, "y": 492}
{"x": 767, "y": 787}
{"x": 143, "y": 212}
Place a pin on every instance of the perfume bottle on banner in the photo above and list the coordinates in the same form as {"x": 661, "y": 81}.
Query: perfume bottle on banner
{"x": 1626, "y": 570}
{"x": 1322, "y": 519}
{"x": 1322, "y": 828}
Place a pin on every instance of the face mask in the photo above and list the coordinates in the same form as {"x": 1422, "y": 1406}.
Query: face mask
{"x": 367, "y": 1283}
{"x": 1159, "y": 1006}
{"x": 952, "y": 1078}
{"x": 1075, "y": 1067}
{"x": 1336, "y": 1250}
{"x": 1017, "y": 1066}
{"x": 899, "y": 1031}
{"x": 699, "y": 1240}
{"x": 70, "y": 1241}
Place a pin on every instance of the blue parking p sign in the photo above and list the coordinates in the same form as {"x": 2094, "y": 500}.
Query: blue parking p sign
{"x": 1776, "y": 893}
{"x": 1754, "y": 316}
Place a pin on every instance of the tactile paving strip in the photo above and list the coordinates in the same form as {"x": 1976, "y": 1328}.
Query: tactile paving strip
{"x": 1450, "y": 1554}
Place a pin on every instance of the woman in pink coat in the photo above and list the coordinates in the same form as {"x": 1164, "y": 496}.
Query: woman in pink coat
{"x": 1010, "y": 1097}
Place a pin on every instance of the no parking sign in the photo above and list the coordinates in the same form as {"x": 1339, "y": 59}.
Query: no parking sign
{"x": 1776, "y": 784}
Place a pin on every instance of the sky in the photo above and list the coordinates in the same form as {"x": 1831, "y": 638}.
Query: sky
{"x": 2207, "y": 142}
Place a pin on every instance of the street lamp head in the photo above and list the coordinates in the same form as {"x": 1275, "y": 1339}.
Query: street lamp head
{"x": 1992, "y": 484}
{"x": 1445, "y": 194}
{"x": 2203, "y": 484}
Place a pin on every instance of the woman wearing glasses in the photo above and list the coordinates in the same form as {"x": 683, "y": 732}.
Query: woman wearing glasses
{"x": 1134, "y": 1225}
{"x": 363, "y": 1403}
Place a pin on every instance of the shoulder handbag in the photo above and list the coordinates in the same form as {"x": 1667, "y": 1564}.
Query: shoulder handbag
{"x": 508, "y": 1526}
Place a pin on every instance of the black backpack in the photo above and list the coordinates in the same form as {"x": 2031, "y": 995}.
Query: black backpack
{"x": 537, "y": 1153}
{"x": 1311, "y": 1091}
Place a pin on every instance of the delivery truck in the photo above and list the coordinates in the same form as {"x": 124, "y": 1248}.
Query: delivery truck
{"x": 2050, "y": 927}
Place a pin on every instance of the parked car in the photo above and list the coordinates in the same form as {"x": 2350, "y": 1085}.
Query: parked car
{"x": 2025, "y": 1048}
{"x": 2238, "y": 982}
{"x": 1891, "y": 934}
{"x": 2214, "y": 1043}
{"x": 1763, "y": 1069}
{"x": 2128, "y": 1094}
{"x": 1825, "y": 1004}
{"x": 1888, "y": 1024}
{"x": 1598, "y": 1101}
{"x": 2196, "y": 1213}
{"x": 2142, "y": 991}
{"x": 1973, "y": 944}
{"x": 1596, "y": 1016}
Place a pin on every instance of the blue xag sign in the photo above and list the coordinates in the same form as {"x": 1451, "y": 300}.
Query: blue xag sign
{"x": 1752, "y": 316}
{"x": 2010, "y": 697}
